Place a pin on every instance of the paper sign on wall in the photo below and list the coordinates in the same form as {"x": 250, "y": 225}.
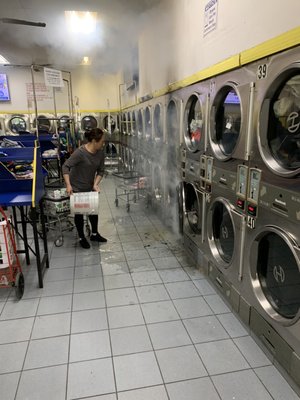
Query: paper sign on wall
{"x": 53, "y": 77}
{"x": 210, "y": 16}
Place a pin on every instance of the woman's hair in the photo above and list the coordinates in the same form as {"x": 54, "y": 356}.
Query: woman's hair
{"x": 95, "y": 133}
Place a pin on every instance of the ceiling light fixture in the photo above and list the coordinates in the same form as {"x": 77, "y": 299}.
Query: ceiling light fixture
{"x": 81, "y": 21}
{"x": 86, "y": 61}
{"x": 3, "y": 60}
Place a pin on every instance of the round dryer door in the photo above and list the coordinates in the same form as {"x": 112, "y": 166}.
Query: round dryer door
{"x": 133, "y": 123}
{"x": 17, "y": 124}
{"x": 110, "y": 150}
{"x": 192, "y": 202}
{"x": 44, "y": 124}
{"x": 221, "y": 231}
{"x": 148, "y": 124}
{"x": 109, "y": 123}
{"x": 64, "y": 122}
{"x": 194, "y": 125}
{"x": 172, "y": 124}
{"x": 277, "y": 267}
{"x": 226, "y": 117}
{"x": 279, "y": 127}
{"x": 158, "y": 123}
{"x": 88, "y": 122}
{"x": 140, "y": 128}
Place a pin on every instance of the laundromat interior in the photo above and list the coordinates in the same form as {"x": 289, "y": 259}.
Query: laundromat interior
{"x": 196, "y": 294}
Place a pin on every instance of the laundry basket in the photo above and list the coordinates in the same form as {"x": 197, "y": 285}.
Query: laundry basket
{"x": 84, "y": 203}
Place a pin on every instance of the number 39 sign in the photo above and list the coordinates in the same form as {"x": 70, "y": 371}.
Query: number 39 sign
{"x": 262, "y": 71}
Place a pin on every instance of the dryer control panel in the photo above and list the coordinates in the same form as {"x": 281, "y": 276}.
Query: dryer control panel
{"x": 253, "y": 196}
{"x": 241, "y": 187}
{"x": 206, "y": 171}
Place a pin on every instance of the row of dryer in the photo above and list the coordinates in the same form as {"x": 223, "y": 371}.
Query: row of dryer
{"x": 17, "y": 123}
{"x": 237, "y": 187}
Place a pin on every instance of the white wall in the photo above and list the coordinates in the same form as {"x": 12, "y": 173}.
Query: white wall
{"x": 173, "y": 47}
{"x": 94, "y": 93}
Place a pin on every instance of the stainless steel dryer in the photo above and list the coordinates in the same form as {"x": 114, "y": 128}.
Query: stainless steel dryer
{"x": 109, "y": 124}
{"x": 158, "y": 130}
{"x": 148, "y": 131}
{"x": 194, "y": 121}
{"x": 173, "y": 191}
{"x": 226, "y": 222}
{"x": 195, "y": 199}
{"x": 89, "y": 121}
{"x": 271, "y": 277}
{"x": 45, "y": 123}
{"x": 17, "y": 123}
{"x": 276, "y": 140}
{"x": 231, "y": 105}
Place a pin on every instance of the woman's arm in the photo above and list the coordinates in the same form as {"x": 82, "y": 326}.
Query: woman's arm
{"x": 96, "y": 183}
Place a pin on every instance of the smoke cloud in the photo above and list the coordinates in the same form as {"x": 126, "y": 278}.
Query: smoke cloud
{"x": 110, "y": 47}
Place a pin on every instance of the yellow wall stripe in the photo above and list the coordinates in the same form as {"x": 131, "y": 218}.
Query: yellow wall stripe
{"x": 272, "y": 46}
{"x": 279, "y": 43}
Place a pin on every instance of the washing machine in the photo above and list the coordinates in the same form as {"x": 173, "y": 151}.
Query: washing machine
{"x": 16, "y": 123}
{"x": 194, "y": 121}
{"x": 148, "y": 130}
{"x": 230, "y": 113}
{"x": 46, "y": 123}
{"x": 276, "y": 142}
{"x": 270, "y": 294}
{"x": 140, "y": 129}
{"x": 226, "y": 226}
{"x": 158, "y": 130}
{"x": 89, "y": 121}
{"x": 109, "y": 124}
{"x": 195, "y": 198}
{"x": 64, "y": 121}
{"x": 173, "y": 188}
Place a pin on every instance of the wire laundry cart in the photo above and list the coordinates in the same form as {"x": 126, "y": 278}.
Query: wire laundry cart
{"x": 57, "y": 211}
{"x": 130, "y": 188}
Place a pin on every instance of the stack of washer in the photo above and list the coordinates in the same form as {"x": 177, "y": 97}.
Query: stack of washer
{"x": 270, "y": 286}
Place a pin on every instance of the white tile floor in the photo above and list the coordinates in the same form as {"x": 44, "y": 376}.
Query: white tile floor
{"x": 131, "y": 320}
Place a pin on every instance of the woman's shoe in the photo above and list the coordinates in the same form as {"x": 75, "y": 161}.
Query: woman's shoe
{"x": 98, "y": 238}
{"x": 84, "y": 243}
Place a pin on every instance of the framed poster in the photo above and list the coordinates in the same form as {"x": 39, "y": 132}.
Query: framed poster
{"x": 4, "y": 89}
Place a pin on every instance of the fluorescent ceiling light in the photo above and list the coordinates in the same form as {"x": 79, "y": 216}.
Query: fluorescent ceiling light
{"x": 3, "y": 60}
{"x": 81, "y": 21}
{"x": 86, "y": 61}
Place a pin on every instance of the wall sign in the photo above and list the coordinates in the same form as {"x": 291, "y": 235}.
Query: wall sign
{"x": 210, "y": 16}
{"x": 53, "y": 77}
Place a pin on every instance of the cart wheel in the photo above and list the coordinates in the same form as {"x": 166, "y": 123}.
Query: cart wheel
{"x": 128, "y": 207}
{"x": 117, "y": 202}
{"x": 59, "y": 242}
{"x": 19, "y": 285}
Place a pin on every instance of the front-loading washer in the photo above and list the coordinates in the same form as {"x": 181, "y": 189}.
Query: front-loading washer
{"x": 16, "y": 123}
{"x": 89, "y": 121}
{"x": 271, "y": 278}
{"x": 46, "y": 123}
{"x": 173, "y": 189}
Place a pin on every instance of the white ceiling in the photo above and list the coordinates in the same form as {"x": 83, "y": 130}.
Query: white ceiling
{"x": 117, "y": 30}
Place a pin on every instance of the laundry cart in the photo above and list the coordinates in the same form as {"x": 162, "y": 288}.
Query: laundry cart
{"x": 130, "y": 188}
{"x": 10, "y": 268}
{"x": 57, "y": 211}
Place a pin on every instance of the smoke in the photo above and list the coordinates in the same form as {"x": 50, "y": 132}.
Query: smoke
{"x": 110, "y": 47}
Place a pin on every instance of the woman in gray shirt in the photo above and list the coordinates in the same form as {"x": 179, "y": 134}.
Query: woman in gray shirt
{"x": 83, "y": 172}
